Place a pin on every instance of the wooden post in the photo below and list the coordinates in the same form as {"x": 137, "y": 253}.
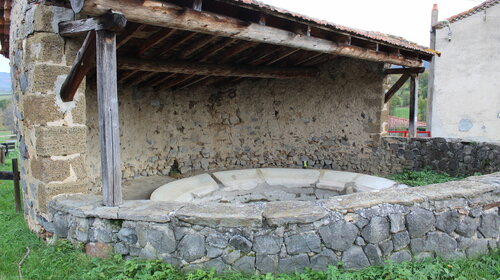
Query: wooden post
{"x": 413, "y": 105}
{"x": 17, "y": 191}
{"x": 107, "y": 99}
{"x": 430, "y": 83}
{"x": 2, "y": 154}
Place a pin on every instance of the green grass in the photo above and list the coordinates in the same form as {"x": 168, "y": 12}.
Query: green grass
{"x": 422, "y": 178}
{"x": 401, "y": 112}
{"x": 63, "y": 261}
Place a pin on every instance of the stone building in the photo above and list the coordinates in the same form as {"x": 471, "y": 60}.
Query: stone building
{"x": 466, "y": 99}
{"x": 115, "y": 96}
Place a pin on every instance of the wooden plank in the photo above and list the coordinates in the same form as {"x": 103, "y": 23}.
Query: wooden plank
{"x": 110, "y": 21}
{"x": 155, "y": 40}
{"x": 174, "y": 82}
{"x": 17, "y": 189}
{"x": 215, "y": 49}
{"x": 129, "y": 34}
{"x": 165, "y": 51}
{"x": 84, "y": 61}
{"x": 413, "y": 106}
{"x": 414, "y": 70}
{"x": 236, "y": 50}
{"x": 109, "y": 132}
{"x": 161, "y": 13}
{"x": 196, "y": 68}
{"x": 6, "y": 175}
{"x": 397, "y": 85}
{"x": 191, "y": 50}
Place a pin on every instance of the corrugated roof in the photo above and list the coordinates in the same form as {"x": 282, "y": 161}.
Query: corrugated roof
{"x": 372, "y": 35}
{"x": 481, "y": 7}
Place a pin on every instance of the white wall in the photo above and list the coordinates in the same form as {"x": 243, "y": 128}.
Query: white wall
{"x": 467, "y": 79}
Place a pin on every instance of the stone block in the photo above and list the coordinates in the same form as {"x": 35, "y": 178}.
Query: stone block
{"x": 217, "y": 240}
{"x": 245, "y": 264}
{"x": 46, "y": 18}
{"x": 241, "y": 243}
{"x": 41, "y": 109}
{"x": 302, "y": 243}
{"x": 420, "y": 221}
{"x": 267, "y": 244}
{"x": 355, "y": 258}
{"x": 397, "y": 222}
{"x": 98, "y": 250}
{"x": 236, "y": 180}
{"x": 292, "y": 212}
{"x": 448, "y": 221}
{"x": 44, "y": 78}
{"x": 442, "y": 244}
{"x": 290, "y": 177}
{"x": 44, "y": 47}
{"x": 184, "y": 190}
{"x": 373, "y": 254}
{"x": 339, "y": 235}
{"x": 47, "y": 191}
{"x": 48, "y": 170}
{"x": 376, "y": 231}
{"x": 477, "y": 247}
{"x": 372, "y": 183}
{"x": 401, "y": 256}
{"x": 490, "y": 225}
{"x": 79, "y": 112}
{"x": 335, "y": 180}
{"x": 266, "y": 263}
{"x": 127, "y": 235}
{"x": 163, "y": 239}
{"x": 192, "y": 247}
{"x": 60, "y": 140}
{"x": 216, "y": 264}
{"x": 146, "y": 210}
{"x": 324, "y": 259}
{"x": 221, "y": 215}
{"x": 400, "y": 240}
{"x": 294, "y": 264}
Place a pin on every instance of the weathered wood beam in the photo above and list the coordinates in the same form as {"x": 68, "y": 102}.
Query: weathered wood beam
{"x": 111, "y": 21}
{"x": 84, "y": 61}
{"x": 162, "y": 79}
{"x": 195, "y": 68}
{"x": 160, "y": 13}
{"x": 174, "y": 82}
{"x": 397, "y": 85}
{"x": 141, "y": 78}
{"x": 191, "y": 50}
{"x": 413, "y": 117}
{"x": 308, "y": 58}
{"x": 236, "y": 50}
{"x": 109, "y": 132}
{"x": 282, "y": 56}
{"x": 215, "y": 49}
{"x": 165, "y": 51}
{"x": 195, "y": 82}
{"x": 155, "y": 40}
{"x": 415, "y": 70}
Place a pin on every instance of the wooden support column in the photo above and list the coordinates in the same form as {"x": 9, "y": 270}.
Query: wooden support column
{"x": 107, "y": 99}
{"x": 413, "y": 105}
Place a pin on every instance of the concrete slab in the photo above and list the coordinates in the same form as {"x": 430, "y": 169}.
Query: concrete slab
{"x": 371, "y": 183}
{"x": 236, "y": 180}
{"x": 290, "y": 177}
{"x": 183, "y": 190}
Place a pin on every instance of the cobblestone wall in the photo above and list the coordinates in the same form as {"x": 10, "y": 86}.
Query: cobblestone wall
{"x": 449, "y": 220}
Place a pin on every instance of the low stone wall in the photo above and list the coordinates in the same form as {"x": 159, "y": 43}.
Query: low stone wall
{"x": 450, "y": 220}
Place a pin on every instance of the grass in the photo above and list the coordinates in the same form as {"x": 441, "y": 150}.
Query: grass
{"x": 422, "y": 178}
{"x": 401, "y": 112}
{"x": 63, "y": 261}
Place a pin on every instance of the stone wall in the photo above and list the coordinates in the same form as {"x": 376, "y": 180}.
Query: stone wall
{"x": 51, "y": 133}
{"x": 449, "y": 220}
{"x": 257, "y": 123}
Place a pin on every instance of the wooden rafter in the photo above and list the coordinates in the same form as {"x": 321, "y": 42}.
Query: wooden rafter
{"x": 160, "y": 13}
{"x": 84, "y": 61}
{"x": 165, "y": 51}
{"x": 195, "y": 68}
{"x": 155, "y": 40}
{"x": 215, "y": 49}
{"x": 128, "y": 35}
{"x": 191, "y": 50}
{"x": 110, "y": 21}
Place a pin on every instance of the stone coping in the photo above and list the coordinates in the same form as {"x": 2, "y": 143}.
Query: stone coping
{"x": 485, "y": 188}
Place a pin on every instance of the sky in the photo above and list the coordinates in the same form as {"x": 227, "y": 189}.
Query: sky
{"x": 409, "y": 19}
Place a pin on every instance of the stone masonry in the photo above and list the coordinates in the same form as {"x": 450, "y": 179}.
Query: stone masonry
{"x": 449, "y": 220}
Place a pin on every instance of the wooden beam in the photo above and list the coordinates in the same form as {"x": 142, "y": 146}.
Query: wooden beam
{"x": 162, "y": 79}
{"x": 174, "y": 82}
{"x": 215, "y": 49}
{"x": 412, "y": 128}
{"x": 195, "y": 68}
{"x": 236, "y": 50}
{"x": 161, "y": 13}
{"x": 84, "y": 61}
{"x": 397, "y": 85}
{"x": 155, "y": 40}
{"x": 17, "y": 190}
{"x": 109, "y": 132}
{"x": 191, "y": 50}
{"x": 111, "y": 21}
{"x": 415, "y": 70}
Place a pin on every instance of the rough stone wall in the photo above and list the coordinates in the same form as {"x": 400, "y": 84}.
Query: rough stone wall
{"x": 252, "y": 124}
{"x": 51, "y": 133}
{"x": 450, "y": 220}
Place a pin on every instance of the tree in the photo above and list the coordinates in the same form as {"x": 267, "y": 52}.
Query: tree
{"x": 8, "y": 116}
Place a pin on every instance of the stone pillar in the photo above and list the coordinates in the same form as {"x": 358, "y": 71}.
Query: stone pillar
{"x": 51, "y": 133}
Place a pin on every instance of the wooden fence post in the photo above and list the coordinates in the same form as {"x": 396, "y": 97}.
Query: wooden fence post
{"x": 17, "y": 190}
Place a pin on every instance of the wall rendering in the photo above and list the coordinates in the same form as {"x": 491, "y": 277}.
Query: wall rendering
{"x": 467, "y": 79}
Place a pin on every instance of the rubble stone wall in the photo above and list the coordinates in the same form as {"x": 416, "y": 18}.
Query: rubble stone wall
{"x": 450, "y": 220}
{"x": 51, "y": 134}
{"x": 257, "y": 123}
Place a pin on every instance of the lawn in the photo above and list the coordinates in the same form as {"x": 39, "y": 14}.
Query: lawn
{"x": 422, "y": 178}
{"x": 401, "y": 112}
{"x": 63, "y": 261}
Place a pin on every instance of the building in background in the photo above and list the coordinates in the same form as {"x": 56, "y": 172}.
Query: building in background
{"x": 466, "y": 98}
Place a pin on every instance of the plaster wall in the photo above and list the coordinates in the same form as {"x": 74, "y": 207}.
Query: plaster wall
{"x": 255, "y": 123}
{"x": 467, "y": 79}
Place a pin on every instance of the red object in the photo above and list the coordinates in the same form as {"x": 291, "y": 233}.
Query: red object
{"x": 406, "y": 132}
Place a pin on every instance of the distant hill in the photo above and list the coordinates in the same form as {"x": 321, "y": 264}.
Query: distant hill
{"x": 5, "y": 83}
